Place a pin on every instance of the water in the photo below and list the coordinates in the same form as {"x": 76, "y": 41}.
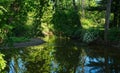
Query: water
{"x": 62, "y": 56}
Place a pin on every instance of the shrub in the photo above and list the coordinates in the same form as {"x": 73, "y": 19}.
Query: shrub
{"x": 114, "y": 34}
{"x": 89, "y": 35}
{"x": 2, "y": 62}
{"x": 19, "y": 30}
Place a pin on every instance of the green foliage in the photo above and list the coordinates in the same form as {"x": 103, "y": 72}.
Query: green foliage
{"x": 19, "y": 30}
{"x": 93, "y": 19}
{"x": 32, "y": 18}
{"x": 46, "y": 25}
{"x": 15, "y": 18}
{"x": 2, "y": 62}
{"x": 1, "y": 36}
{"x": 2, "y": 9}
{"x": 114, "y": 34}
{"x": 66, "y": 23}
{"x": 3, "y": 32}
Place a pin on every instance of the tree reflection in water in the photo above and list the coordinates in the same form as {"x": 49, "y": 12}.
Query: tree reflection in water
{"x": 62, "y": 56}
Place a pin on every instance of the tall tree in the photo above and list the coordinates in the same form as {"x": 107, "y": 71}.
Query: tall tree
{"x": 108, "y": 11}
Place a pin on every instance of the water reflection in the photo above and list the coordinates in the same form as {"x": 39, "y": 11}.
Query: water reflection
{"x": 64, "y": 56}
{"x": 17, "y": 68}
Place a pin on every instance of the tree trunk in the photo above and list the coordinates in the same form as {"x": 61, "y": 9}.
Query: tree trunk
{"x": 83, "y": 7}
{"x": 74, "y": 5}
{"x": 107, "y": 19}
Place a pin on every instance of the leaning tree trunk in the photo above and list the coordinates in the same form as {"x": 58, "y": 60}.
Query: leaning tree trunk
{"x": 107, "y": 21}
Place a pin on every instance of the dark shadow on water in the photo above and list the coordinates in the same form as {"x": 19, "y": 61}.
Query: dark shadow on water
{"x": 64, "y": 56}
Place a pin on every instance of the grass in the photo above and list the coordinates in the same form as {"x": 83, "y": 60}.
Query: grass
{"x": 19, "y": 39}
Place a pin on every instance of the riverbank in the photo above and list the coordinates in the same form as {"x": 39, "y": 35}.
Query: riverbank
{"x": 101, "y": 42}
{"x": 38, "y": 41}
{"x": 31, "y": 42}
